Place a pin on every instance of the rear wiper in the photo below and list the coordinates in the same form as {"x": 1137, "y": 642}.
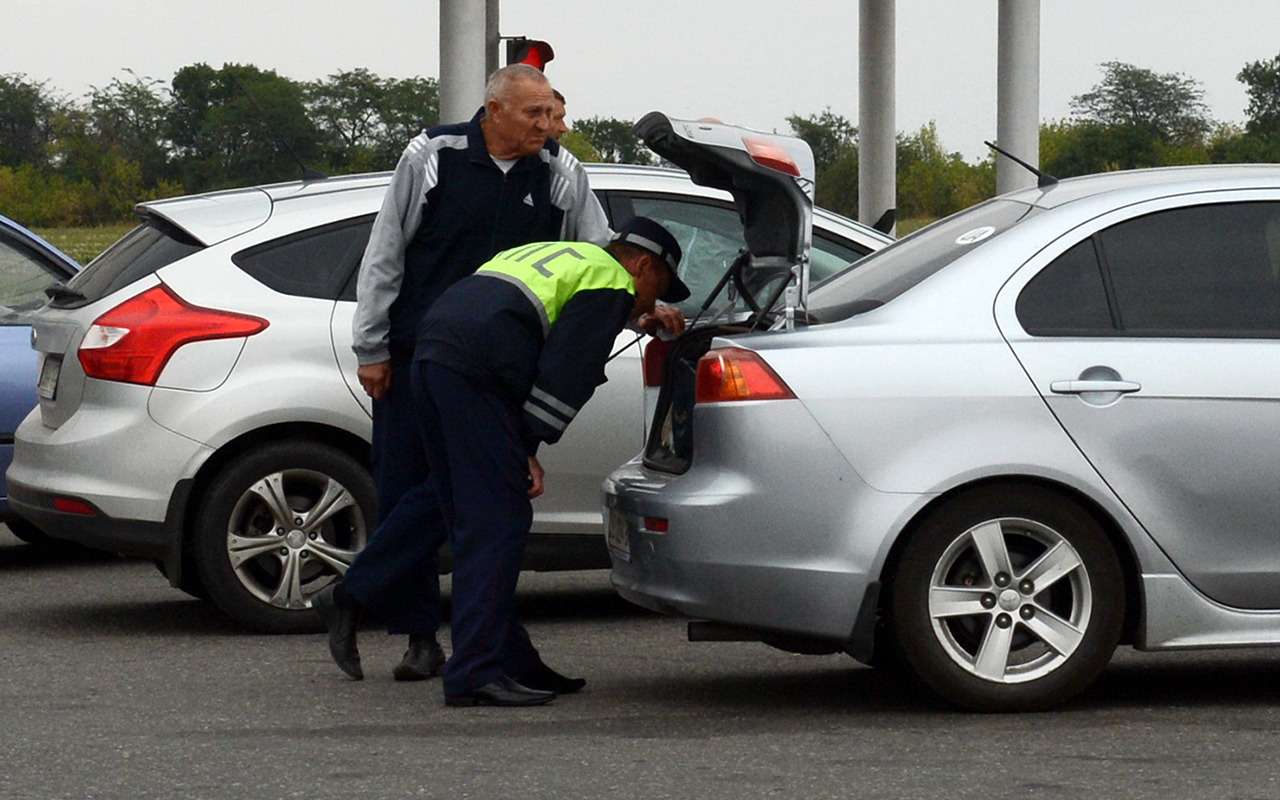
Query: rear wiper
{"x": 60, "y": 291}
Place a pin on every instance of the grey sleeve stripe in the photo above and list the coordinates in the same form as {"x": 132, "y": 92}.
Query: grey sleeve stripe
{"x": 382, "y": 268}
{"x": 528, "y": 293}
{"x": 553, "y": 402}
{"x": 535, "y": 411}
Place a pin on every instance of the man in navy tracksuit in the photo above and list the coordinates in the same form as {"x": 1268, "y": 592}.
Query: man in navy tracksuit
{"x": 505, "y": 359}
{"x": 460, "y": 194}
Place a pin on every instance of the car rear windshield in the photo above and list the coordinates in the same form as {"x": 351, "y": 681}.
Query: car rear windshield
{"x": 882, "y": 276}
{"x": 140, "y": 252}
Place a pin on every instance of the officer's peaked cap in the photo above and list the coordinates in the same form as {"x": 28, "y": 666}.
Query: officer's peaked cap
{"x": 650, "y": 235}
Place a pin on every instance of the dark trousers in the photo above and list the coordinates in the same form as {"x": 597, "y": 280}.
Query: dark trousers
{"x": 479, "y": 485}
{"x": 398, "y": 572}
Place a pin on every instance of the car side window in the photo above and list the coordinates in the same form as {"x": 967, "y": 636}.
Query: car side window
{"x": 1206, "y": 271}
{"x": 313, "y": 263}
{"x": 830, "y": 256}
{"x": 23, "y": 278}
{"x": 710, "y": 237}
{"x": 1068, "y": 297}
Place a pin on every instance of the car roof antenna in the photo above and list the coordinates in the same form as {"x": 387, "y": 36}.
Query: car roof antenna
{"x": 1043, "y": 179}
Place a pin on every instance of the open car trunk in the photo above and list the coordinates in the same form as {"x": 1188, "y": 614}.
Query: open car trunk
{"x": 771, "y": 179}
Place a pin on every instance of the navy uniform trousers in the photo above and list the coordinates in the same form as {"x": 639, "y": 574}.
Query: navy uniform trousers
{"x": 476, "y": 498}
{"x": 397, "y": 573}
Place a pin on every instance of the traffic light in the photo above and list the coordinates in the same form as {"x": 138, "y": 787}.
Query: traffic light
{"x": 534, "y": 52}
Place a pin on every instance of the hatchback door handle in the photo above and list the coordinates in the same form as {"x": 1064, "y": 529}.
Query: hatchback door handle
{"x": 1080, "y": 387}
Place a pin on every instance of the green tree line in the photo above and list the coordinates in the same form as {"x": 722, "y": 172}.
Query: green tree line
{"x": 87, "y": 160}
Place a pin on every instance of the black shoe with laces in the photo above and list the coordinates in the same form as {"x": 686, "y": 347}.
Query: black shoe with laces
{"x": 423, "y": 660}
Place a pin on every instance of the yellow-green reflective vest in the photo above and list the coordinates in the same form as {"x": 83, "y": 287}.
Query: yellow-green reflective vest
{"x": 551, "y": 273}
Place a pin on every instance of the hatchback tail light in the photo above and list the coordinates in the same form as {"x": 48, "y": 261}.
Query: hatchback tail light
{"x": 731, "y": 374}
{"x": 132, "y": 342}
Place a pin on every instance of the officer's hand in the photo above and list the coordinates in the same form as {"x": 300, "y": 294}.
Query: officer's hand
{"x": 375, "y": 378}
{"x": 535, "y": 477}
{"x": 668, "y": 318}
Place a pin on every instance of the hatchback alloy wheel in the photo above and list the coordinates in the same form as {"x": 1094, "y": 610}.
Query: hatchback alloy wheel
{"x": 291, "y": 534}
{"x": 1007, "y": 598}
{"x": 278, "y": 524}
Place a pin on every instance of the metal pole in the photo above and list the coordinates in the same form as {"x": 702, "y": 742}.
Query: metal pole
{"x": 491, "y": 37}
{"x": 462, "y": 58}
{"x": 877, "y": 146}
{"x": 1018, "y": 92}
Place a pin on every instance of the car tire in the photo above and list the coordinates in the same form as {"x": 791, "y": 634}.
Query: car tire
{"x": 1003, "y": 642}
{"x": 277, "y": 525}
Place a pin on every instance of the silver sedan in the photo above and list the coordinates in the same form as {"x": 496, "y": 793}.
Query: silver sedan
{"x": 1002, "y": 446}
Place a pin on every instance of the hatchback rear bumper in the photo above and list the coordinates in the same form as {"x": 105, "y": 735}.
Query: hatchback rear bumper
{"x": 158, "y": 541}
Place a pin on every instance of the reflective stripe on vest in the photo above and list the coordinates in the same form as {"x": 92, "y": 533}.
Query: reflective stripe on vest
{"x": 551, "y": 273}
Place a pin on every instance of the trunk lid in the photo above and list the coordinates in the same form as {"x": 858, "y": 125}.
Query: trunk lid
{"x": 771, "y": 179}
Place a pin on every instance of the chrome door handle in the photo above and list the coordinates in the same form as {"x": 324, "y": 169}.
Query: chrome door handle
{"x": 1080, "y": 387}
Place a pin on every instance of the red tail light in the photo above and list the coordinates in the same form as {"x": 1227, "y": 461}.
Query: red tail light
{"x": 72, "y": 505}
{"x": 770, "y": 154}
{"x": 655, "y": 361}
{"x": 132, "y": 342}
{"x": 732, "y": 373}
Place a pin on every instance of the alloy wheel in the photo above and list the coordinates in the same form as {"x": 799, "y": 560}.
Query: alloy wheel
{"x": 292, "y": 533}
{"x": 1010, "y": 600}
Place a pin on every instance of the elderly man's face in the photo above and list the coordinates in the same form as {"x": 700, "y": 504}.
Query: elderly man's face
{"x": 521, "y": 120}
{"x": 558, "y": 126}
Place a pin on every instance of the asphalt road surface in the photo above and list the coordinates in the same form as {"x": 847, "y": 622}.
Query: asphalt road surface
{"x": 113, "y": 685}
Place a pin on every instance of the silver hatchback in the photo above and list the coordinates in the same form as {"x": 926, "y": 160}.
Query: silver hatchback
{"x": 199, "y": 403}
{"x": 1000, "y": 447}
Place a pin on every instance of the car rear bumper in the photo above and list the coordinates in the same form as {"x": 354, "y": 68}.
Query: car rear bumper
{"x": 158, "y": 541}
{"x": 110, "y": 453}
{"x": 769, "y": 529}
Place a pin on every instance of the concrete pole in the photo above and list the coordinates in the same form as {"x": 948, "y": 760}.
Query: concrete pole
{"x": 491, "y": 44}
{"x": 877, "y": 145}
{"x": 1018, "y": 92}
{"x": 462, "y": 58}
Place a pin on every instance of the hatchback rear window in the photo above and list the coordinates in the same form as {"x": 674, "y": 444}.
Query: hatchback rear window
{"x": 140, "y": 252}
{"x": 886, "y": 274}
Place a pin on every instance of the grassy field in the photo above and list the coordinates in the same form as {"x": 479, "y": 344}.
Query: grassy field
{"x": 83, "y": 244}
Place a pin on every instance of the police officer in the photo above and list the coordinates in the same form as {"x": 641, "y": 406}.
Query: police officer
{"x": 460, "y": 194}
{"x": 505, "y": 359}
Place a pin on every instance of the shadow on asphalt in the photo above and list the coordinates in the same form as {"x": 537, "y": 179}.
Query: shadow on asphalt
{"x": 36, "y": 557}
{"x": 180, "y": 617}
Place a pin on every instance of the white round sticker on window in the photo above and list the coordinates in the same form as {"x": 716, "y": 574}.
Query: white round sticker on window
{"x": 975, "y": 235}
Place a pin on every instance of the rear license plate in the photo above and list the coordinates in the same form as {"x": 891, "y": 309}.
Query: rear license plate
{"x": 47, "y": 386}
{"x": 616, "y": 535}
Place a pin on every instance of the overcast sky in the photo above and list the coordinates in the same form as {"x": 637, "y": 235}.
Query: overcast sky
{"x": 752, "y": 62}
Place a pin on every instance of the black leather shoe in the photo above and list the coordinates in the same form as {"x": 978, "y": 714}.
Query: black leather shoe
{"x": 423, "y": 660}
{"x": 502, "y": 692}
{"x": 548, "y": 680}
{"x": 342, "y": 624}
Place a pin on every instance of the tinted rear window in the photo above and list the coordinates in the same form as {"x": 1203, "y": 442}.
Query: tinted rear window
{"x": 139, "y": 253}
{"x": 886, "y": 274}
{"x": 311, "y": 263}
